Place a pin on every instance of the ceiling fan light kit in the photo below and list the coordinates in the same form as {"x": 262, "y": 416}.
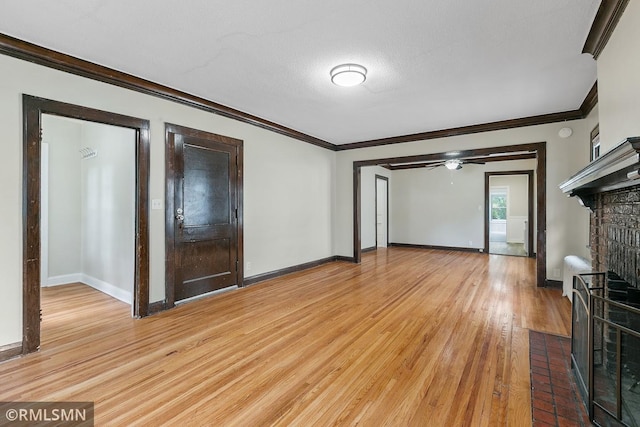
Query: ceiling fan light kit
{"x": 348, "y": 75}
{"x": 453, "y": 164}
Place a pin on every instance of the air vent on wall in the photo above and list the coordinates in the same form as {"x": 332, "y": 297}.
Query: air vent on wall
{"x": 87, "y": 153}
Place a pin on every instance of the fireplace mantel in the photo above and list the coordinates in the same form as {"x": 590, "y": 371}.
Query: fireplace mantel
{"x": 618, "y": 168}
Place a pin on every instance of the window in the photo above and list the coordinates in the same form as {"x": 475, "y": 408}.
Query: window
{"x": 595, "y": 143}
{"x": 498, "y": 206}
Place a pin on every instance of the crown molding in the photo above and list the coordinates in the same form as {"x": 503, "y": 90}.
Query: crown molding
{"x": 604, "y": 23}
{"x": 20, "y": 49}
{"x": 465, "y": 130}
{"x": 26, "y": 51}
{"x": 590, "y": 101}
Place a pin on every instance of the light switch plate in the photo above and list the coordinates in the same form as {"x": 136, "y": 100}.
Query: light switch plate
{"x": 156, "y": 204}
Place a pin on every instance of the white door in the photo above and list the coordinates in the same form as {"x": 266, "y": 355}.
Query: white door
{"x": 382, "y": 198}
{"x": 44, "y": 214}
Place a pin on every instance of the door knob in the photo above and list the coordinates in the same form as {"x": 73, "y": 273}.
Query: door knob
{"x": 180, "y": 217}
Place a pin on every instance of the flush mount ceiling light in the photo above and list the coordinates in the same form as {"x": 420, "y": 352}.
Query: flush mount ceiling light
{"x": 348, "y": 75}
{"x": 453, "y": 164}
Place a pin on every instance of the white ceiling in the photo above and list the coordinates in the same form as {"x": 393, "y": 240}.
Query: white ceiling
{"x": 433, "y": 64}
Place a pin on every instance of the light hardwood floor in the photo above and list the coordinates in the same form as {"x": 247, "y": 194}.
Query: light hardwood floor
{"x": 409, "y": 337}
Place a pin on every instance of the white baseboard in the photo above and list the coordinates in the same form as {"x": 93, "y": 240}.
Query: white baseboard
{"x": 104, "y": 287}
{"x": 64, "y": 279}
{"x": 108, "y": 288}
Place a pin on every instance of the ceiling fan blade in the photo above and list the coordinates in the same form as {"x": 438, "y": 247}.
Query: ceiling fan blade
{"x": 431, "y": 166}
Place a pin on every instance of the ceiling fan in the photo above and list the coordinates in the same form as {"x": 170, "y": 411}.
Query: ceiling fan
{"x": 451, "y": 164}
{"x": 454, "y": 164}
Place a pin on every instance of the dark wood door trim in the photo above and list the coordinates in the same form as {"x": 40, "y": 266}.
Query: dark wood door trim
{"x": 171, "y": 130}
{"x": 530, "y": 216}
{"x": 541, "y": 229}
{"x": 540, "y": 150}
{"x": 384, "y": 178}
{"x": 33, "y": 108}
{"x": 357, "y": 212}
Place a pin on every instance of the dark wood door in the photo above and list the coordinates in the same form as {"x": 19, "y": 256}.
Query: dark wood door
{"x": 204, "y": 214}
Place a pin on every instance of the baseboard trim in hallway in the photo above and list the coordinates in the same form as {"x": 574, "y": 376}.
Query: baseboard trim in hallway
{"x": 10, "y": 351}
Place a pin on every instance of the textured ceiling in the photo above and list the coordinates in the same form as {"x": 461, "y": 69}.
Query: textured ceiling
{"x": 433, "y": 64}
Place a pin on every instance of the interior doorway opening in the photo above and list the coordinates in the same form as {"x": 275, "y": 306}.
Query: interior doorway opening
{"x": 535, "y": 151}
{"x": 509, "y": 213}
{"x": 33, "y": 110}
{"x": 88, "y": 206}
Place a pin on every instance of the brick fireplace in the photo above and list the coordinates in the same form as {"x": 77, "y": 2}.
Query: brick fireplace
{"x": 610, "y": 188}
{"x": 615, "y": 233}
{"x": 606, "y": 319}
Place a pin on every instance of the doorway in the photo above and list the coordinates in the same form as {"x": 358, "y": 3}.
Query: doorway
{"x": 88, "y": 205}
{"x": 203, "y": 213}
{"x": 382, "y": 211}
{"x": 509, "y": 213}
{"x": 33, "y": 109}
{"x": 508, "y": 152}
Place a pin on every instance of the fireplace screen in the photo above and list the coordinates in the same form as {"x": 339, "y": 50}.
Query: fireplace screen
{"x": 606, "y": 347}
{"x": 586, "y": 347}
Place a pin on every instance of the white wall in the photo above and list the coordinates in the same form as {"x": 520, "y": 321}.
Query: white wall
{"x": 368, "y": 200}
{"x": 567, "y": 221}
{"x": 108, "y": 209}
{"x": 619, "y": 81}
{"x": 439, "y": 207}
{"x": 288, "y": 202}
{"x": 517, "y": 203}
{"x": 288, "y": 184}
{"x": 64, "y": 234}
{"x": 91, "y": 206}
